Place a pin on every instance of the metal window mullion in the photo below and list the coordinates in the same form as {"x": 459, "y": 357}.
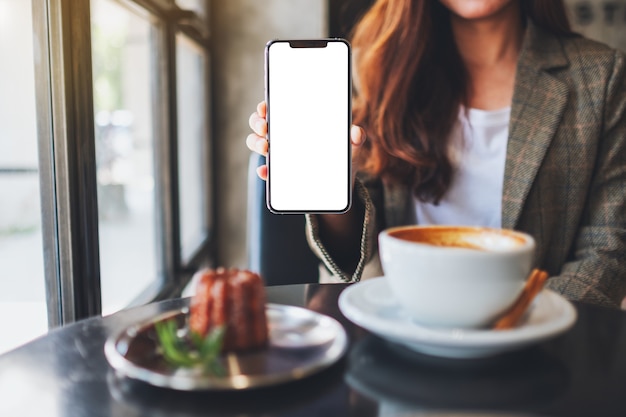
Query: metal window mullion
{"x": 46, "y": 162}
{"x": 172, "y": 157}
{"x": 164, "y": 90}
{"x": 209, "y": 155}
{"x": 210, "y": 247}
{"x": 73, "y": 145}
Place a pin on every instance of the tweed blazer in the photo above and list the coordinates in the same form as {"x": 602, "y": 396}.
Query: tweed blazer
{"x": 565, "y": 172}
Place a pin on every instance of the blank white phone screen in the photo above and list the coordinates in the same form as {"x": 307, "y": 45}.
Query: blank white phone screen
{"x": 308, "y": 97}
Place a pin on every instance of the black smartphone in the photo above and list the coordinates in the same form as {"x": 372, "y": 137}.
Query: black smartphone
{"x": 308, "y": 90}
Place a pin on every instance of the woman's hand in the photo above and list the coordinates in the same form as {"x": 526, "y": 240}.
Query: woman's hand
{"x": 340, "y": 233}
{"x": 257, "y": 142}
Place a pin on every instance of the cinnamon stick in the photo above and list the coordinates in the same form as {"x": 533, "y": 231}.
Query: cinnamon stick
{"x": 511, "y": 317}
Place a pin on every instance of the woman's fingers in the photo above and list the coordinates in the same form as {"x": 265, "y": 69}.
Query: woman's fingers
{"x": 261, "y": 171}
{"x": 256, "y": 141}
{"x": 257, "y": 144}
{"x": 258, "y": 124}
{"x": 357, "y": 135}
{"x": 261, "y": 109}
{"x": 257, "y": 120}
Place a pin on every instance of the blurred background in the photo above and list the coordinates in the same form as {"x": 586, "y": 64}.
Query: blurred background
{"x": 123, "y": 165}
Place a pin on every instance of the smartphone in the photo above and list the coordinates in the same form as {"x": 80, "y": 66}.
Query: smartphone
{"x": 308, "y": 90}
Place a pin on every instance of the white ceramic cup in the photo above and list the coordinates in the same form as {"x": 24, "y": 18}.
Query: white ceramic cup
{"x": 455, "y": 276}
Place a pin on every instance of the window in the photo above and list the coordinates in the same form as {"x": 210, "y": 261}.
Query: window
{"x": 91, "y": 151}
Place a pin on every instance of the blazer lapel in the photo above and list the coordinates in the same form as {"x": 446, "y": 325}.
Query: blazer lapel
{"x": 538, "y": 103}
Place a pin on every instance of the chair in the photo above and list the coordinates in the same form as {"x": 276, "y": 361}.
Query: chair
{"x": 277, "y": 246}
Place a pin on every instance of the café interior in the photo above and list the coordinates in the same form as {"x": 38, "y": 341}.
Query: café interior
{"x": 124, "y": 171}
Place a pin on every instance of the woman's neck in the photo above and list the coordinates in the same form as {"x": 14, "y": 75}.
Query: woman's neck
{"x": 490, "y": 41}
{"x": 489, "y": 49}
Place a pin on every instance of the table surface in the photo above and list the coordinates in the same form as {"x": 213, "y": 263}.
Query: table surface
{"x": 580, "y": 373}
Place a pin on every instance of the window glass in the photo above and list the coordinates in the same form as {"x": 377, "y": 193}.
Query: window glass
{"x": 122, "y": 76}
{"x": 193, "y": 181}
{"x": 22, "y": 281}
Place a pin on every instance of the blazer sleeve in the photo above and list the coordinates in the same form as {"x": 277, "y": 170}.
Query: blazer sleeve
{"x": 365, "y": 195}
{"x": 597, "y": 271}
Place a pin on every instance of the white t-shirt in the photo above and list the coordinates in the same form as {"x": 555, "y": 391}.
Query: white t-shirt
{"x": 478, "y": 155}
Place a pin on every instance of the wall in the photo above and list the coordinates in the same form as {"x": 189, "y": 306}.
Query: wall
{"x": 603, "y": 20}
{"x": 240, "y": 30}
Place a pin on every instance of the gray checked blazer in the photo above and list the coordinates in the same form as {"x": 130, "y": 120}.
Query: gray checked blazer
{"x": 565, "y": 174}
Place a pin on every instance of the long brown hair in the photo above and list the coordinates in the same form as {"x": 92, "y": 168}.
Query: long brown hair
{"x": 410, "y": 82}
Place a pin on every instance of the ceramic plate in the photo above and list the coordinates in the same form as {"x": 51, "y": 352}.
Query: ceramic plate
{"x": 302, "y": 342}
{"x": 371, "y": 305}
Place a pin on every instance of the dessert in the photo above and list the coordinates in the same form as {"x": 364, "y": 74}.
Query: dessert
{"x": 232, "y": 298}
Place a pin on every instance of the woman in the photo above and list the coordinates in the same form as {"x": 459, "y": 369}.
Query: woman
{"x": 485, "y": 112}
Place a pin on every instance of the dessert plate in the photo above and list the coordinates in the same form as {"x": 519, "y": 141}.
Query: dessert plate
{"x": 371, "y": 305}
{"x": 301, "y": 342}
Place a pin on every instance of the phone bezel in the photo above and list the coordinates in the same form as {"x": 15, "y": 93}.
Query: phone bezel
{"x": 308, "y": 43}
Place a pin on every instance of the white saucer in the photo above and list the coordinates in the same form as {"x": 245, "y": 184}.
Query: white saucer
{"x": 371, "y": 305}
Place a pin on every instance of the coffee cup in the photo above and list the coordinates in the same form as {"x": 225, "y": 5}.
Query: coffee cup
{"x": 455, "y": 276}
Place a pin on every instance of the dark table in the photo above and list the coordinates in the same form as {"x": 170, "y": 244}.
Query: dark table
{"x": 580, "y": 373}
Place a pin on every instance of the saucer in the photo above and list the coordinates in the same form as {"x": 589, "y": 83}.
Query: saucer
{"x": 371, "y": 305}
